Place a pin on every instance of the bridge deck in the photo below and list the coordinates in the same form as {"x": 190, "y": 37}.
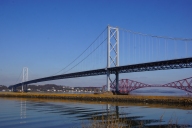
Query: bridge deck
{"x": 151, "y": 66}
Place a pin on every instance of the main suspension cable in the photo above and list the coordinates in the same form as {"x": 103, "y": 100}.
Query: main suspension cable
{"x": 87, "y": 55}
{"x": 82, "y": 52}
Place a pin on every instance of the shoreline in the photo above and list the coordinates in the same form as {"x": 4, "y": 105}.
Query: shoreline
{"x": 103, "y": 97}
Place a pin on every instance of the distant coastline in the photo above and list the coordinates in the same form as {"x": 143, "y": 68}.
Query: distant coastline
{"x": 53, "y": 88}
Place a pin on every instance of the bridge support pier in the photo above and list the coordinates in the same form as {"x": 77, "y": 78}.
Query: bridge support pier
{"x": 117, "y": 81}
{"x": 108, "y": 81}
{"x": 13, "y": 89}
{"x": 25, "y": 88}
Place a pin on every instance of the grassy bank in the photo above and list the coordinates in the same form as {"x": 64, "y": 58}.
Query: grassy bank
{"x": 103, "y": 97}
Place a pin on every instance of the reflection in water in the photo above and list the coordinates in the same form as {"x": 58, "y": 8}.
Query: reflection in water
{"x": 110, "y": 114}
{"x": 115, "y": 118}
{"x": 23, "y": 111}
{"x": 108, "y": 107}
{"x": 46, "y": 113}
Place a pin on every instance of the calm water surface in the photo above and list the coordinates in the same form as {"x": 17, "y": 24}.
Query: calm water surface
{"x": 36, "y": 113}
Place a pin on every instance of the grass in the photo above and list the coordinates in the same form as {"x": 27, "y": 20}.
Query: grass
{"x": 101, "y": 97}
{"x": 111, "y": 121}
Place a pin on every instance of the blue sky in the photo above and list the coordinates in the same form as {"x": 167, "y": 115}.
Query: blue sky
{"x": 45, "y": 35}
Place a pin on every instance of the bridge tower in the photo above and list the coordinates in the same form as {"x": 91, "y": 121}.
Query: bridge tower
{"x": 112, "y": 54}
{"x": 25, "y": 78}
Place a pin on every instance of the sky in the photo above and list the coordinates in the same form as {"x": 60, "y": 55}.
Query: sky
{"x": 46, "y": 35}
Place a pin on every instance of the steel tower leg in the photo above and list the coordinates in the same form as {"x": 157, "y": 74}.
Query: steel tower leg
{"x": 112, "y": 53}
{"x": 108, "y": 58}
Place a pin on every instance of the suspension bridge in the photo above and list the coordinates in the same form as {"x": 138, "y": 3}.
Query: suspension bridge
{"x": 139, "y": 52}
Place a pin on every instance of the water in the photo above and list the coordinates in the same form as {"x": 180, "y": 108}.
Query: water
{"x": 33, "y": 113}
{"x": 160, "y": 92}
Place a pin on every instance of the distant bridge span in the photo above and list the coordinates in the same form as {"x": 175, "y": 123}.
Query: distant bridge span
{"x": 127, "y": 85}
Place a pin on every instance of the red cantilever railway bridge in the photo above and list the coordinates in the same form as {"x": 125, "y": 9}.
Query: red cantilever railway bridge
{"x": 127, "y": 85}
